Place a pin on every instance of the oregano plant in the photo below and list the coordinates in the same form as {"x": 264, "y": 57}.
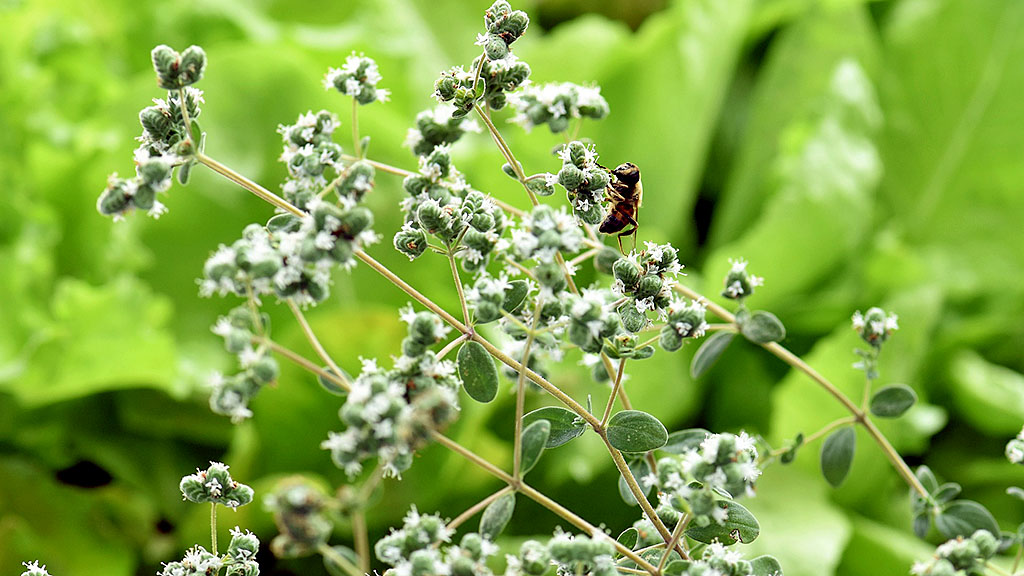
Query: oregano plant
{"x": 513, "y": 270}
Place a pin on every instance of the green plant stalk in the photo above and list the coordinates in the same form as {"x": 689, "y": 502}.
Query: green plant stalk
{"x": 860, "y": 415}
{"x": 328, "y": 552}
{"x": 475, "y": 508}
{"x": 450, "y": 253}
{"x": 315, "y": 342}
{"x": 451, "y": 346}
{"x": 303, "y": 362}
{"x": 361, "y": 538}
{"x": 356, "y": 145}
{"x": 260, "y": 191}
{"x": 676, "y": 535}
{"x": 378, "y": 165}
{"x": 615, "y": 392}
{"x": 213, "y": 527}
{"x": 517, "y": 436}
{"x": 819, "y": 433}
{"x": 638, "y": 493}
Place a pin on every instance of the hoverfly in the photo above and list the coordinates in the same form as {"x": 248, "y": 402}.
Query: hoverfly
{"x": 625, "y": 194}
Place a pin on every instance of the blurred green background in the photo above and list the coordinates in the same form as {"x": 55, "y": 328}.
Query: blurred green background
{"x": 857, "y": 153}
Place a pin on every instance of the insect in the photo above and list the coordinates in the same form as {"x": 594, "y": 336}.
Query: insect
{"x": 625, "y": 194}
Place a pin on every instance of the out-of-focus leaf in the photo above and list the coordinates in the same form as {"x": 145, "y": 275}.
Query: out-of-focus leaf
{"x": 837, "y": 455}
{"x": 824, "y": 178}
{"x": 963, "y": 518}
{"x": 893, "y": 401}
{"x": 103, "y": 338}
{"x": 708, "y": 353}
{"x": 796, "y": 75}
{"x": 989, "y": 396}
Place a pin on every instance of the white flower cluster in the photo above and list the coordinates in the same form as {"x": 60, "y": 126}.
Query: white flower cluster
{"x": 357, "y": 78}
{"x": 310, "y": 155}
{"x": 436, "y": 127}
{"x": 692, "y": 481}
{"x": 1015, "y": 449}
{"x": 423, "y": 546}
{"x": 544, "y": 232}
{"x": 556, "y": 104}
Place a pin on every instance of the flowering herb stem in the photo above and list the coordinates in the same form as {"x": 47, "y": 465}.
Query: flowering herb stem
{"x": 378, "y": 165}
{"x": 451, "y": 346}
{"x": 859, "y": 415}
{"x": 361, "y": 537}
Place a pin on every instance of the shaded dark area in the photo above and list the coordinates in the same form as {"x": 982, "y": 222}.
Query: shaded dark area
{"x": 84, "y": 474}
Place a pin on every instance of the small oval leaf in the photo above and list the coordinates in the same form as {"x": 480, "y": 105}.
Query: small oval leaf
{"x": 963, "y": 518}
{"x": 478, "y": 372}
{"x": 496, "y": 516}
{"x": 636, "y": 431}
{"x": 629, "y": 537}
{"x": 922, "y": 522}
{"x": 330, "y": 385}
{"x": 765, "y": 566}
{"x": 893, "y": 400}
{"x": 708, "y": 353}
{"x": 762, "y": 328}
{"x": 740, "y": 526}
{"x": 565, "y": 425}
{"x": 515, "y": 295}
{"x": 534, "y": 438}
{"x": 837, "y": 455}
{"x": 685, "y": 440}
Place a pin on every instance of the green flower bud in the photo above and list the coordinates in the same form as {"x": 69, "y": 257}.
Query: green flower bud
{"x": 987, "y": 544}
{"x": 410, "y": 241}
{"x": 445, "y": 86}
{"x": 215, "y": 485}
{"x": 482, "y": 221}
{"x": 550, "y": 275}
{"x": 577, "y": 153}
{"x": 114, "y": 199}
{"x": 355, "y": 221}
{"x": 156, "y": 123}
{"x": 649, "y": 286}
{"x": 237, "y": 340}
{"x": 593, "y": 215}
{"x": 534, "y": 558}
{"x": 875, "y": 326}
{"x": 597, "y": 178}
{"x": 462, "y": 566}
{"x": 243, "y": 546}
{"x": 413, "y": 348}
{"x": 193, "y": 63}
{"x": 145, "y": 197}
{"x": 571, "y": 177}
{"x": 632, "y": 319}
{"x": 495, "y": 47}
{"x": 627, "y": 272}
{"x": 431, "y": 217}
{"x": 485, "y": 312}
{"x": 265, "y": 370}
{"x": 540, "y": 187}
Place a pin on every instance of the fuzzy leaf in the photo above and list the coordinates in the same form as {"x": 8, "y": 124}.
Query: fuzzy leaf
{"x": 963, "y": 518}
{"x": 496, "y": 516}
{"x": 515, "y": 295}
{"x": 893, "y": 400}
{"x": 534, "y": 438}
{"x": 762, "y": 328}
{"x": 740, "y": 526}
{"x": 478, "y": 373}
{"x": 636, "y": 431}
{"x": 565, "y": 425}
{"x": 709, "y": 352}
{"x": 837, "y": 455}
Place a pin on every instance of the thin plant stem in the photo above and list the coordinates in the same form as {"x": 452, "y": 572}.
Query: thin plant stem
{"x": 584, "y": 257}
{"x": 450, "y": 253}
{"x": 676, "y": 535}
{"x": 304, "y": 363}
{"x": 638, "y": 493}
{"x": 506, "y": 152}
{"x": 517, "y": 437}
{"x": 371, "y": 483}
{"x": 860, "y": 415}
{"x": 472, "y": 457}
{"x": 529, "y": 273}
{"x": 315, "y": 342}
{"x": 451, "y": 346}
{"x": 615, "y": 392}
{"x": 361, "y": 539}
{"x": 356, "y": 145}
{"x": 186, "y": 119}
{"x": 1017, "y": 559}
{"x": 475, "y": 508}
{"x": 378, "y": 165}
{"x": 582, "y": 524}
{"x": 327, "y": 552}
{"x": 565, "y": 271}
{"x": 260, "y": 191}
{"x": 819, "y": 433}
{"x": 213, "y": 527}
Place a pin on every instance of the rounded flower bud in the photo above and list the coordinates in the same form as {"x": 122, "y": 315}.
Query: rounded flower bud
{"x": 627, "y": 272}
{"x": 265, "y": 370}
{"x": 633, "y": 320}
{"x": 875, "y": 326}
{"x": 495, "y": 47}
{"x": 571, "y": 177}
{"x": 649, "y": 286}
{"x": 987, "y": 543}
{"x": 410, "y": 241}
{"x": 597, "y": 178}
{"x": 534, "y": 558}
{"x": 549, "y": 274}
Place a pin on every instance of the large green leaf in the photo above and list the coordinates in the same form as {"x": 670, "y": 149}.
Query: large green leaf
{"x": 102, "y": 338}
{"x": 989, "y": 396}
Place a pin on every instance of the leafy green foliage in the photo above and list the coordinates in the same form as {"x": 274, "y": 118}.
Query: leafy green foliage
{"x": 837, "y": 455}
{"x": 478, "y": 372}
{"x": 636, "y": 431}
